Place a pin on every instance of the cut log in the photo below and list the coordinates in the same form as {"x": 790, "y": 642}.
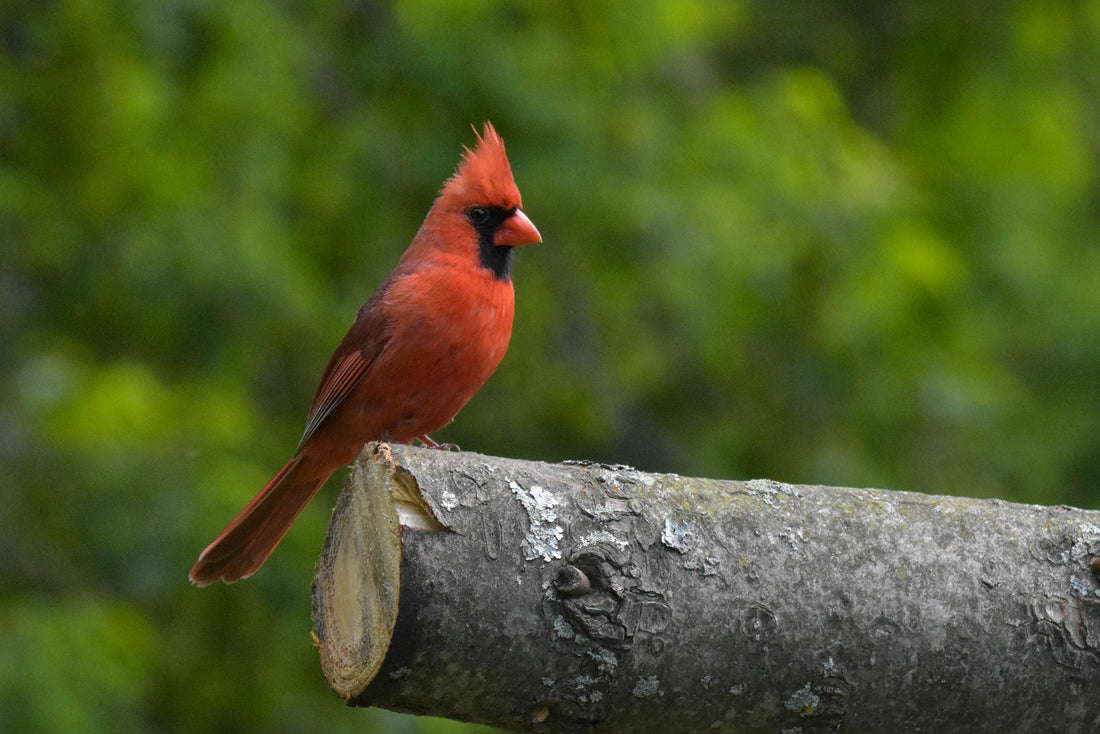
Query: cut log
{"x": 585, "y": 597}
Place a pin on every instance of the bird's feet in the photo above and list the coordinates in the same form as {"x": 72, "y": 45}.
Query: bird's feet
{"x": 427, "y": 441}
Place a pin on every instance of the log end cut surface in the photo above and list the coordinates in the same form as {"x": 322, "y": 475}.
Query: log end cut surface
{"x": 357, "y": 586}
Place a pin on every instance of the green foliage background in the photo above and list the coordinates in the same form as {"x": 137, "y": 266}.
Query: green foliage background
{"x": 848, "y": 243}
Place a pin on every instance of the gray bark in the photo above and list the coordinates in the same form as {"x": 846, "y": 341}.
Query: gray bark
{"x": 583, "y": 597}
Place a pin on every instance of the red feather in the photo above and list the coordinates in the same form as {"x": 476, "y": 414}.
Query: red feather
{"x": 425, "y": 342}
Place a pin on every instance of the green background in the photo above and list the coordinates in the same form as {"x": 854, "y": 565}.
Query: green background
{"x": 851, "y": 243}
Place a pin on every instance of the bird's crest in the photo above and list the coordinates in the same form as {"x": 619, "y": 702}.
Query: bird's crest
{"x": 484, "y": 176}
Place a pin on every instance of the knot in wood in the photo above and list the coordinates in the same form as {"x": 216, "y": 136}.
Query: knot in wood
{"x": 603, "y": 564}
{"x": 570, "y": 581}
{"x": 592, "y": 587}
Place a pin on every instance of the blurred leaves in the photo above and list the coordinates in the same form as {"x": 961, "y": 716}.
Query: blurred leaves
{"x": 849, "y": 244}
{"x": 48, "y": 651}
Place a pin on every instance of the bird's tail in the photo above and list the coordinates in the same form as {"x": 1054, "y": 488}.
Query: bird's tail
{"x": 252, "y": 536}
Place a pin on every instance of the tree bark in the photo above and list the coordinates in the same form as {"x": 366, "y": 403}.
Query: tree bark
{"x": 585, "y": 597}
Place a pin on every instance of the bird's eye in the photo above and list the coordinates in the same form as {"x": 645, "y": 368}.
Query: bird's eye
{"x": 478, "y": 215}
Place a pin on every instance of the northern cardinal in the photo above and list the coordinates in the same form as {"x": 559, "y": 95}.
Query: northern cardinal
{"x": 425, "y": 342}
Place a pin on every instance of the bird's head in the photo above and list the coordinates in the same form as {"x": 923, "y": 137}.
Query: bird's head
{"x": 481, "y": 203}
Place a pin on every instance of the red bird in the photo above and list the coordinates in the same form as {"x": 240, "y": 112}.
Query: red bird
{"x": 419, "y": 349}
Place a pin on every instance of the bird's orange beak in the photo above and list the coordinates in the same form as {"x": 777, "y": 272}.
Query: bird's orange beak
{"x": 516, "y": 230}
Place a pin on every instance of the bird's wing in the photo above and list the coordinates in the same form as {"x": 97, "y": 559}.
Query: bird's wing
{"x": 363, "y": 343}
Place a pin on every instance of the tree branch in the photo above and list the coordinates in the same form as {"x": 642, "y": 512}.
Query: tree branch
{"x": 587, "y": 597}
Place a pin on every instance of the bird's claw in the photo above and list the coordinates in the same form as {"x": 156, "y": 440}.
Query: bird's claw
{"x": 427, "y": 441}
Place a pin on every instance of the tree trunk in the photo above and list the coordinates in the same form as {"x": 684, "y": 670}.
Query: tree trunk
{"x": 585, "y": 597}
